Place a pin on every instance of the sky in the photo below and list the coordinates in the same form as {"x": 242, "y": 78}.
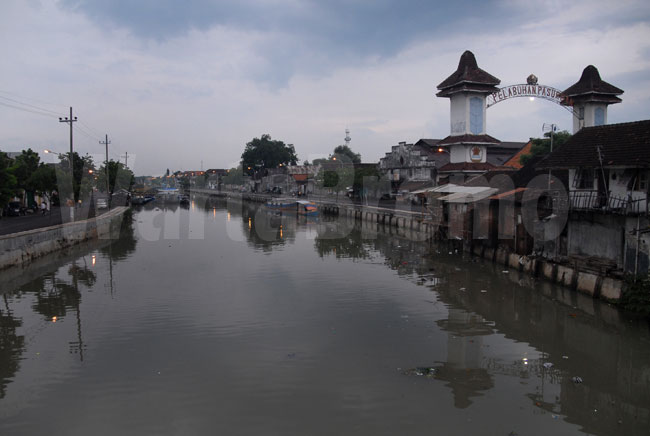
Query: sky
{"x": 186, "y": 84}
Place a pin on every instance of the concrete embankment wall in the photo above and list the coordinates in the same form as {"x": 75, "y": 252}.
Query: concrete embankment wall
{"x": 19, "y": 248}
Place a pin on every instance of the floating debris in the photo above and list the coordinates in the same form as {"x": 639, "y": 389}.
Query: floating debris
{"x": 565, "y": 357}
{"x": 505, "y": 271}
{"x": 463, "y": 289}
{"x": 547, "y": 365}
{"x": 576, "y": 379}
{"x": 421, "y": 372}
{"x": 483, "y": 291}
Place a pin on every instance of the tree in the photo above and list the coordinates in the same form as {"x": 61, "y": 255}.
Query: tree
{"x": 264, "y": 152}
{"x": 542, "y": 146}
{"x": 344, "y": 150}
{"x": 7, "y": 180}
{"x": 119, "y": 177}
{"x": 235, "y": 176}
{"x": 43, "y": 180}
{"x": 24, "y": 165}
{"x": 335, "y": 177}
{"x": 82, "y": 181}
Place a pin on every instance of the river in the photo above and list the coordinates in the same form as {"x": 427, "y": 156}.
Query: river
{"x": 222, "y": 319}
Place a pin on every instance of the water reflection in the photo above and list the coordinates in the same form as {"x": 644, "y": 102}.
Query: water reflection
{"x": 11, "y": 345}
{"x": 53, "y": 286}
{"x": 464, "y": 369}
{"x": 573, "y": 334}
{"x": 492, "y": 335}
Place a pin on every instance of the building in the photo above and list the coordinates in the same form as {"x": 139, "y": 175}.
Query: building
{"x": 413, "y": 166}
{"x": 609, "y": 168}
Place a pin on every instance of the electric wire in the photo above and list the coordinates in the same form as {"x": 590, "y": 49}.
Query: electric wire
{"x": 58, "y": 114}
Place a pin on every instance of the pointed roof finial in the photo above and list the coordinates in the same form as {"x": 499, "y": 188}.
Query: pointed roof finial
{"x": 468, "y": 77}
{"x": 592, "y": 87}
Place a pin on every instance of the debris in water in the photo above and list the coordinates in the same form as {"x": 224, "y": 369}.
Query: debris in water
{"x": 576, "y": 379}
{"x": 505, "y": 271}
{"x": 565, "y": 357}
{"x": 483, "y": 291}
{"x": 421, "y": 372}
{"x": 547, "y": 365}
{"x": 463, "y": 289}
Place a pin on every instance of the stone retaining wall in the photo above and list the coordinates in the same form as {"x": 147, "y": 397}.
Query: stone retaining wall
{"x": 22, "y": 247}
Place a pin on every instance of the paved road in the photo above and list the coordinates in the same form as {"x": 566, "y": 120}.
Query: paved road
{"x": 15, "y": 224}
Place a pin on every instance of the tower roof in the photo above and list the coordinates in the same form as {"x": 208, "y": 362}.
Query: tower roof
{"x": 591, "y": 87}
{"x": 468, "y": 77}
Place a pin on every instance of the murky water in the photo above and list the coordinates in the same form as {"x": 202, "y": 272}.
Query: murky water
{"x": 219, "y": 319}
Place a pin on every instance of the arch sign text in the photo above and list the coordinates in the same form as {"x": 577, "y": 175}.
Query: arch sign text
{"x": 530, "y": 89}
{"x": 525, "y": 90}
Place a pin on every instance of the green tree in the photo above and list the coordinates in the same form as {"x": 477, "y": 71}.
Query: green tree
{"x": 344, "y": 150}
{"x": 83, "y": 171}
{"x": 43, "y": 180}
{"x": 542, "y": 146}
{"x": 24, "y": 165}
{"x": 7, "y": 180}
{"x": 235, "y": 176}
{"x": 119, "y": 177}
{"x": 336, "y": 177}
{"x": 264, "y": 152}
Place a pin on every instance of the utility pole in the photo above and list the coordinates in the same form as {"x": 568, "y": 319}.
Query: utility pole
{"x": 71, "y": 159}
{"x": 126, "y": 159}
{"x": 69, "y": 121}
{"x": 552, "y": 128}
{"x": 108, "y": 193}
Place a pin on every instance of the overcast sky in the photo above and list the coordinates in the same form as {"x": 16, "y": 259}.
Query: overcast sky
{"x": 177, "y": 83}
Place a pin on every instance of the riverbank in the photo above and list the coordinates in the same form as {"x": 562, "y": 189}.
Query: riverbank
{"x": 22, "y": 247}
{"x": 577, "y": 276}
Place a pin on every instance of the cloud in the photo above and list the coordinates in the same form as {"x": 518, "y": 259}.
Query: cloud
{"x": 176, "y": 92}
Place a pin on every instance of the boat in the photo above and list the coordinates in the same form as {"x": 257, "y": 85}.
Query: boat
{"x": 167, "y": 191}
{"x": 137, "y": 200}
{"x": 307, "y": 208}
{"x": 288, "y": 204}
{"x": 184, "y": 200}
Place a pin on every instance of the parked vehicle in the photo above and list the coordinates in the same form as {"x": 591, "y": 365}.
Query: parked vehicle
{"x": 101, "y": 203}
{"x": 14, "y": 209}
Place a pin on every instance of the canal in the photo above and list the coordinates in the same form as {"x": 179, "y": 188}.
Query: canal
{"x": 221, "y": 319}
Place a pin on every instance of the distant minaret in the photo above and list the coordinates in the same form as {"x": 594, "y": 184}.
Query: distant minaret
{"x": 347, "y": 138}
{"x": 590, "y": 97}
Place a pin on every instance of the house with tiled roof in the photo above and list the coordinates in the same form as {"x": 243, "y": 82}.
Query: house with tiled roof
{"x": 608, "y": 165}
{"x": 608, "y": 187}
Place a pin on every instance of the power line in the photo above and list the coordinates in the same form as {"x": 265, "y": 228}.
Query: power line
{"x": 34, "y": 100}
{"x": 31, "y": 105}
{"x": 28, "y": 110}
{"x": 95, "y": 131}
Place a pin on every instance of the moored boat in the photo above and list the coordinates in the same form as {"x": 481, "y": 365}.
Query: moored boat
{"x": 281, "y": 204}
{"x": 307, "y": 208}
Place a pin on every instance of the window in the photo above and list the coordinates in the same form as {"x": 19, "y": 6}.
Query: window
{"x": 599, "y": 116}
{"x": 584, "y": 179}
{"x": 475, "y": 115}
{"x": 638, "y": 181}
